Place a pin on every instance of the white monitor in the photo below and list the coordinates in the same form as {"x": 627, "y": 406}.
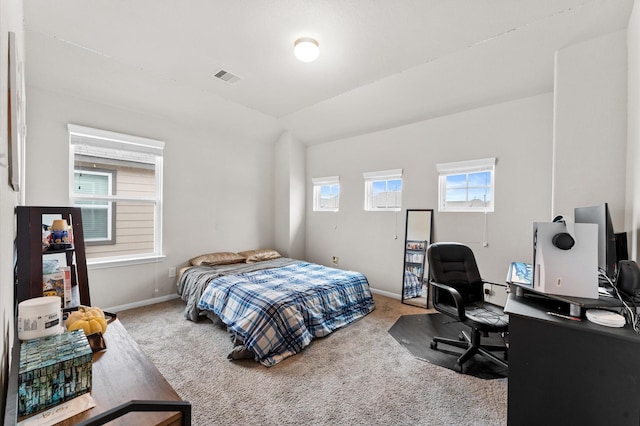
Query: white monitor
{"x": 572, "y": 272}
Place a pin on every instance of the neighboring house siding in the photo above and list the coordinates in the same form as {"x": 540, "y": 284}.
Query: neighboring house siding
{"x": 133, "y": 220}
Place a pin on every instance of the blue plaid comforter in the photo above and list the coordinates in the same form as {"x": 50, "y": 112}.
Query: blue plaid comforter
{"x": 278, "y": 311}
{"x": 412, "y": 286}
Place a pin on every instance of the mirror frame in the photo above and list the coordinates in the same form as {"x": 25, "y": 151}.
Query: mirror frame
{"x": 423, "y": 300}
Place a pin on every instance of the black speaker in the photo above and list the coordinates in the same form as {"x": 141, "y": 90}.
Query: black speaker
{"x": 562, "y": 240}
{"x": 628, "y": 279}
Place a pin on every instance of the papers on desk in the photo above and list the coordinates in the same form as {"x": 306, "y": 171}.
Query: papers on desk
{"x": 603, "y": 291}
{"x": 60, "y": 412}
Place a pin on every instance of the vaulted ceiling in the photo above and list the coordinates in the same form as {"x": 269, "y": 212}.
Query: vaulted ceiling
{"x": 382, "y": 63}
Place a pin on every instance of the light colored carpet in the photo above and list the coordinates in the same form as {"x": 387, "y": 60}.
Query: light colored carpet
{"x": 359, "y": 375}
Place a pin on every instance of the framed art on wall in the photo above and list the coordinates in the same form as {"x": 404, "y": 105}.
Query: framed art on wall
{"x": 15, "y": 114}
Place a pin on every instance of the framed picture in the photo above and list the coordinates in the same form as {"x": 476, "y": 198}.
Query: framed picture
{"x": 16, "y": 128}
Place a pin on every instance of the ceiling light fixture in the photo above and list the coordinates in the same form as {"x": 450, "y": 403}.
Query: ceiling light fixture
{"x": 306, "y": 49}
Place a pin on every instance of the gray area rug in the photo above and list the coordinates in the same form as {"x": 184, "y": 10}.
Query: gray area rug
{"x": 359, "y": 375}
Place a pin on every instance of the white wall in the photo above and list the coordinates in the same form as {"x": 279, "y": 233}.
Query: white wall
{"x": 554, "y": 152}
{"x": 591, "y": 126}
{"x": 290, "y": 185}
{"x": 518, "y": 133}
{"x": 10, "y": 20}
{"x": 218, "y": 190}
{"x": 632, "y": 220}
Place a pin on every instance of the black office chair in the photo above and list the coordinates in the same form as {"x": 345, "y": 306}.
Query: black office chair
{"x": 458, "y": 292}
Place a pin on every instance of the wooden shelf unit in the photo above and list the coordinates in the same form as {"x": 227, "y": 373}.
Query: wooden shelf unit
{"x": 30, "y": 253}
{"x": 414, "y": 256}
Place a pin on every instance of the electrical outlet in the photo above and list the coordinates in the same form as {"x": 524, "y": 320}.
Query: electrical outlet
{"x": 172, "y": 272}
{"x": 335, "y": 260}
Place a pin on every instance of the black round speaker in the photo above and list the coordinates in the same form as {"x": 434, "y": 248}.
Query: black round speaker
{"x": 563, "y": 240}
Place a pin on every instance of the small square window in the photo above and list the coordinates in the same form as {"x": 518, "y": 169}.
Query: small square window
{"x": 467, "y": 186}
{"x": 383, "y": 190}
{"x": 326, "y": 194}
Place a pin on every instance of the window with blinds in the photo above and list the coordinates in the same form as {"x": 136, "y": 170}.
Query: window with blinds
{"x": 117, "y": 182}
{"x": 97, "y": 216}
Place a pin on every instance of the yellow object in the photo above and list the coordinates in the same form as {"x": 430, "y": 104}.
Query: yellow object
{"x": 73, "y": 317}
{"x": 80, "y": 324}
{"x": 94, "y": 326}
{"x": 90, "y": 319}
{"x": 59, "y": 225}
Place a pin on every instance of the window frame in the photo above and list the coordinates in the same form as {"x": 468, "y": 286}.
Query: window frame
{"x": 370, "y": 178}
{"x": 460, "y": 168}
{"x": 318, "y": 184}
{"x": 135, "y": 145}
{"x": 111, "y": 213}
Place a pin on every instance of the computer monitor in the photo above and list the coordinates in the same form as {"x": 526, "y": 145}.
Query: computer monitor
{"x": 607, "y": 257}
{"x": 622, "y": 249}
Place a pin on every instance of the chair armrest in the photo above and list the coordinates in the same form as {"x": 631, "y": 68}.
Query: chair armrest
{"x": 457, "y": 299}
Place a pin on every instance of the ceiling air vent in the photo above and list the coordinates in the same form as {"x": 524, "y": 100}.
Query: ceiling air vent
{"x": 227, "y": 77}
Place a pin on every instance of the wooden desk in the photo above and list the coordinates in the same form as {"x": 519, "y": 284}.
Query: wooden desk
{"x": 123, "y": 373}
{"x": 565, "y": 372}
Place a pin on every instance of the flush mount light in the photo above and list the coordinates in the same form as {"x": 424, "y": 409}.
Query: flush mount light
{"x": 306, "y": 49}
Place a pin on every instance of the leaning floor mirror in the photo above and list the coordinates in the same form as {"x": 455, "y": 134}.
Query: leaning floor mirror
{"x": 418, "y": 227}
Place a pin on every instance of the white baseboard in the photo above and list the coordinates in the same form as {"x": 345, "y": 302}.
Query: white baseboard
{"x": 141, "y": 303}
{"x": 386, "y": 293}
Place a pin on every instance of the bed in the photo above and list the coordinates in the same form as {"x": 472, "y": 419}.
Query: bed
{"x": 273, "y": 306}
